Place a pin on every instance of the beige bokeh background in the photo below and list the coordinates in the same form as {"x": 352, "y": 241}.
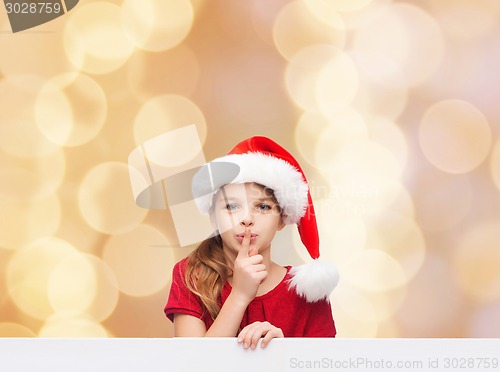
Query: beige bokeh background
{"x": 390, "y": 106}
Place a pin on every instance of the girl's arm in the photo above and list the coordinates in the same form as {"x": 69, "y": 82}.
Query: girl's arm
{"x": 225, "y": 325}
{"x": 188, "y": 326}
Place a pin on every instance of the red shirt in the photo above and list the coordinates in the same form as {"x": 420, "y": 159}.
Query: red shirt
{"x": 281, "y": 307}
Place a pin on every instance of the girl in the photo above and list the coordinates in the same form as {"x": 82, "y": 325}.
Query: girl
{"x": 229, "y": 286}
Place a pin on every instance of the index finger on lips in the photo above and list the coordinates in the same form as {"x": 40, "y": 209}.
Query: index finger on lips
{"x": 251, "y": 251}
{"x": 245, "y": 244}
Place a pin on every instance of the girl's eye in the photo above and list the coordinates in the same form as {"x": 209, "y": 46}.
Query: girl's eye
{"x": 231, "y": 207}
{"x": 264, "y": 207}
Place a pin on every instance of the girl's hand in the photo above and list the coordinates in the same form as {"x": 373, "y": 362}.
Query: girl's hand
{"x": 251, "y": 334}
{"x": 249, "y": 271}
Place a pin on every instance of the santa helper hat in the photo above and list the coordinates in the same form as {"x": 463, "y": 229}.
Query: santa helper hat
{"x": 263, "y": 161}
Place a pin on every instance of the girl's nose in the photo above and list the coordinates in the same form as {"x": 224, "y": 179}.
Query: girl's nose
{"x": 246, "y": 222}
{"x": 247, "y": 218}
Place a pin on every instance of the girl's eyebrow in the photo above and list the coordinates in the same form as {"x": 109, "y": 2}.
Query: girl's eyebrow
{"x": 230, "y": 198}
{"x": 267, "y": 198}
{"x": 224, "y": 195}
{"x": 227, "y": 198}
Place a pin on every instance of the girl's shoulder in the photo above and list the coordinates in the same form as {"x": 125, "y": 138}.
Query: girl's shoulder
{"x": 181, "y": 272}
{"x": 182, "y": 263}
{"x": 180, "y": 266}
{"x": 179, "y": 269}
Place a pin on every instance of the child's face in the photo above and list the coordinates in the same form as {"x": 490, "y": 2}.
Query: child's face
{"x": 237, "y": 206}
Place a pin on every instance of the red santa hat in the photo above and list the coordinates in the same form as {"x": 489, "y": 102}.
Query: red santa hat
{"x": 261, "y": 160}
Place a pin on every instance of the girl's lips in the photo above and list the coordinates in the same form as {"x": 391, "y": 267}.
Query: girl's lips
{"x": 240, "y": 237}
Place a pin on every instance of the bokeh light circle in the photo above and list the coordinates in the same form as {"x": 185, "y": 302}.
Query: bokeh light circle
{"x": 344, "y": 127}
{"x": 385, "y": 303}
{"x": 307, "y": 131}
{"x": 8, "y": 329}
{"x": 296, "y": 27}
{"x": 94, "y": 40}
{"x": 374, "y": 270}
{"x": 400, "y": 237}
{"x": 24, "y": 221}
{"x": 343, "y": 236}
{"x": 349, "y": 306}
{"x": 29, "y": 272}
{"x": 24, "y": 180}
{"x": 366, "y": 306}
{"x": 354, "y": 303}
{"x": 105, "y": 199}
{"x": 322, "y": 12}
{"x": 354, "y": 19}
{"x": 303, "y": 72}
{"x": 337, "y": 84}
{"x": 387, "y": 133}
{"x": 72, "y": 286}
{"x": 156, "y": 25}
{"x": 455, "y": 136}
{"x": 477, "y": 259}
{"x": 403, "y": 33}
{"x": 71, "y": 109}
{"x": 72, "y": 327}
{"x": 363, "y": 193}
{"x": 19, "y": 134}
{"x": 82, "y": 284}
{"x": 383, "y": 96}
{"x": 165, "y": 113}
{"x": 140, "y": 260}
{"x": 53, "y": 113}
{"x": 403, "y": 204}
{"x": 338, "y": 5}
{"x": 107, "y": 293}
{"x": 361, "y": 157}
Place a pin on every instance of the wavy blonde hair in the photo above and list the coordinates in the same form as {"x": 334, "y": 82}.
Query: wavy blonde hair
{"x": 206, "y": 272}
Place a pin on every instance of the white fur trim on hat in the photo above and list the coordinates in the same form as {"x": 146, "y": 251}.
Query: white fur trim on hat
{"x": 285, "y": 180}
{"x": 314, "y": 280}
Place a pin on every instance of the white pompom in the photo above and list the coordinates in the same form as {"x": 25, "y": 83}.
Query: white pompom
{"x": 314, "y": 280}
